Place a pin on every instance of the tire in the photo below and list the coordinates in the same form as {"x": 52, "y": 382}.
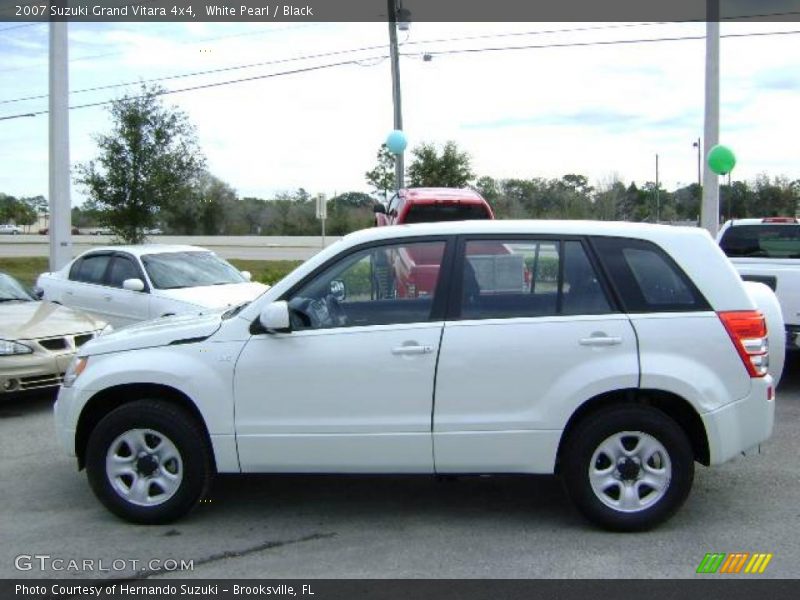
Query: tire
{"x": 174, "y": 467}
{"x": 628, "y": 468}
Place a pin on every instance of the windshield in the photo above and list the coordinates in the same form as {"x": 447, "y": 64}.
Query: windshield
{"x": 172, "y": 270}
{"x": 427, "y": 213}
{"x": 10, "y": 289}
{"x": 762, "y": 241}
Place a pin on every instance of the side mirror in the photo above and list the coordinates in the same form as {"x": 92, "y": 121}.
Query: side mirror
{"x": 275, "y": 317}
{"x": 247, "y": 275}
{"x": 379, "y": 208}
{"x": 338, "y": 290}
{"x": 133, "y": 285}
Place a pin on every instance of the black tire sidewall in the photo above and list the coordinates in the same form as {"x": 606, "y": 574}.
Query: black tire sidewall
{"x": 596, "y": 428}
{"x": 175, "y": 424}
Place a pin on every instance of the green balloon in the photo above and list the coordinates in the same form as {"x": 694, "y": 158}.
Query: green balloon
{"x": 721, "y": 159}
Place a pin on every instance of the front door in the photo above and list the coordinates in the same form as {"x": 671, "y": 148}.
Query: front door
{"x": 350, "y": 388}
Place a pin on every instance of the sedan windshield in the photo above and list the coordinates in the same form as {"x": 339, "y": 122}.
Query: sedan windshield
{"x": 172, "y": 270}
{"x": 11, "y": 290}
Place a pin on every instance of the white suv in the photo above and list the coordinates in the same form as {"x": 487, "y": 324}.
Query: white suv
{"x": 613, "y": 354}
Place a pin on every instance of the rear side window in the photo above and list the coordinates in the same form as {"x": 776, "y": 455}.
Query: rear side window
{"x": 762, "y": 241}
{"x": 427, "y": 213}
{"x": 646, "y": 278}
{"x": 90, "y": 269}
{"x": 511, "y": 278}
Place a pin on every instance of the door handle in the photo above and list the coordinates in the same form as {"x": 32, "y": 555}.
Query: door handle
{"x": 411, "y": 350}
{"x": 600, "y": 339}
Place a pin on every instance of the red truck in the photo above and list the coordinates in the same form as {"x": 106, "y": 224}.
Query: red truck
{"x": 416, "y": 270}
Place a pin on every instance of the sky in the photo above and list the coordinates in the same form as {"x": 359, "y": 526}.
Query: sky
{"x": 603, "y": 111}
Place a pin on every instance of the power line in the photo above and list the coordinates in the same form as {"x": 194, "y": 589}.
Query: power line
{"x": 201, "y": 87}
{"x": 602, "y": 43}
{"x": 440, "y": 52}
{"x": 20, "y": 26}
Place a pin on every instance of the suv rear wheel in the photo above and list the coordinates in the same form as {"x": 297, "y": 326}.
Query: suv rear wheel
{"x": 148, "y": 462}
{"x": 628, "y": 468}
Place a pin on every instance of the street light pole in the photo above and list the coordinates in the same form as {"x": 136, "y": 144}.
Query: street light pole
{"x": 709, "y": 214}
{"x": 60, "y": 210}
{"x": 399, "y": 168}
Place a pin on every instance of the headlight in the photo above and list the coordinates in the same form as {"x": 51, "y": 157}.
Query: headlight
{"x": 8, "y": 348}
{"x": 74, "y": 370}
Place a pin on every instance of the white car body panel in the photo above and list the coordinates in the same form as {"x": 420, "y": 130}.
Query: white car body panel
{"x": 329, "y": 387}
{"x": 521, "y": 379}
{"x": 121, "y": 307}
{"x": 495, "y": 397}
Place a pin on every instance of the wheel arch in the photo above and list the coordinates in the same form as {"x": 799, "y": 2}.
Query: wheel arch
{"x": 673, "y": 405}
{"x": 109, "y": 399}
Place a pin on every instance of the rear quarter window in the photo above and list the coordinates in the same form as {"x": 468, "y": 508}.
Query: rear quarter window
{"x": 646, "y": 278}
{"x": 427, "y": 213}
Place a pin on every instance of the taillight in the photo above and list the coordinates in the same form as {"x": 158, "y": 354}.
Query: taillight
{"x": 748, "y": 331}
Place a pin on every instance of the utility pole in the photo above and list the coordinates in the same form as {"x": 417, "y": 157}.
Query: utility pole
{"x": 60, "y": 230}
{"x": 399, "y": 168}
{"x": 658, "y": 204}
{"x": 709, "y": 215}
{"x": 699, "y": 145}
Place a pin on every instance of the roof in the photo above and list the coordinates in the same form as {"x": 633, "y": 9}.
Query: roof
{"x": 511, "y": 226}
{"x": 443, "y": 193}
{"x": 141, "y": 249}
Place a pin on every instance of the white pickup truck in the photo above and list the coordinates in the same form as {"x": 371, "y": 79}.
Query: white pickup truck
{"x": 768, "y": 251}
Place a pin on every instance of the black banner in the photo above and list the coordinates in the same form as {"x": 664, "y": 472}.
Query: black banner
{"x": 411, "y": 10}
{"x": 389, "y": 589}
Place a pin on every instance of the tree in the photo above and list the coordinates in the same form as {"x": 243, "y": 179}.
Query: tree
{"x": 382, "y": 176}
{"x": 149, "y": 159}
{"x": 451, "y": 168}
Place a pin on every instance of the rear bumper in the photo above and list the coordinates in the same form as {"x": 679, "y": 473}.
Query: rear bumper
{"x": 740, "y": 427}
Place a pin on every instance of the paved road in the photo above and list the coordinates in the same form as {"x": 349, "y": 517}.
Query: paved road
{"x": 333, "y": 526}
{"x": 244, "y": 247}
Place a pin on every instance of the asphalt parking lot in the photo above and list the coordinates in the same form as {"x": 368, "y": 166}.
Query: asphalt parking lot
{"x": 375, "y": 527}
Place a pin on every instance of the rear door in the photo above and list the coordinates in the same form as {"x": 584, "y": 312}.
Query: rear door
{"x": 86, "y": 285}
{"x": 532, "y": 332}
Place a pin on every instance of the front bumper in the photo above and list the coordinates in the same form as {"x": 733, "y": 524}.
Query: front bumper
{"x": 65, "y": 425}
{"x": 30, "y": 372}
{"x": 740, "y": 427}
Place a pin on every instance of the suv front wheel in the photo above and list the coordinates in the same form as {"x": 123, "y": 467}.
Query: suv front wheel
{"x": 628, "y": 468}
{"x": 148, "y": 462}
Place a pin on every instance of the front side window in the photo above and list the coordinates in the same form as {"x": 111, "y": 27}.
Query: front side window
{"x": 122, "y": 268}
{"x": 90, "y": 269}
{"x": 376, "y": 286}
{"x": 536, "y": 278}
{"x": 173, "y": 270}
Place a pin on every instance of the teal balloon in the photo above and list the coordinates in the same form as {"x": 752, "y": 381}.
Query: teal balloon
{"x": 396, "y": 142}
{"x": 721, "y": 160}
